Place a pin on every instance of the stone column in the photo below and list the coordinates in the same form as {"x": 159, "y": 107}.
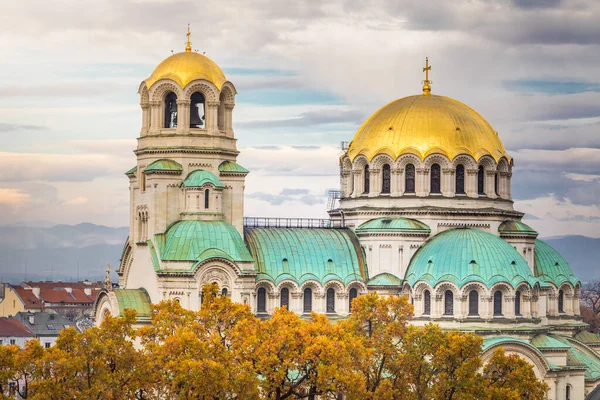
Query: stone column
{"x": 183, "y": 115}
{"x": 508, "y": 193}
{"x": 471, "y": 182}
{"x": 421, "y": 188}
{"x": 448, "y": 187}
{"x": 374, "y": 182}
{"x": 155, "y": 116}
{"x": 228, "y": 119}
{"x": 401, "y": 182}
{"x": 145, "y": 118}
{"x": 395, "y": 182}
{"x": 296, "y": 302}
{"x": 211, "y": 116}
{"x": 356, "y": 175}
{"x": 489, "y": 187}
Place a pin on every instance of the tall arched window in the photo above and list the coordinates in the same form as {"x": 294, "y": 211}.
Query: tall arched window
{"x": 170, "y": 110}
{"x": 386, "y": 177}
{"x": 261, "y": 300}
{"x": 434, "y": 179}
{"x": 426, "y": 302}
{"x": 197, "y": 111}
{"x": 518, "y": 303}
{"x": 496, "y": 184}
{"x": 568, "y": 392}
{"x": 285, "y": 298}
{"x": 366, "y": 179}
{"x": 448, "y": 303}
{"x": 206, "y": 198}
{"x": 307, "y": 300}
{"x": 352, "y": 296}
{"x": 460, "y": 179}
{"x": 480, "y": 180}
{"x": 221, "y": 112}
{"x": 561, "y": 301}
{"x": 224, "y": 292}
{"x": 497, "y": 303}
{"x": 330, "y": 300}
{"x": 473, "y": 302}
{"x": 409, "y": 178}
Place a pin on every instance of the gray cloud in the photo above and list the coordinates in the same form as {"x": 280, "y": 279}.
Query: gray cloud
{"x": 530, "y": 184}
{"x": 529, "y": 4}
{"x": 289, "y": 195}
{"x": 307, "y": 119}
{"x": 553, "y": 137}
{"x": 19, "y": 127}
{"x": 64, "y": 89}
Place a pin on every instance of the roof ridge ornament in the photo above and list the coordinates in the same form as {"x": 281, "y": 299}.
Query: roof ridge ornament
{"x": 188, "y": 44}
{"x": 427, "y": 82}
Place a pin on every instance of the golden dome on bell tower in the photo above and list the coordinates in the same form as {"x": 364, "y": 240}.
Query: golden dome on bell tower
{"x": 186, "y": 67}
{"x": 425, "y": 124}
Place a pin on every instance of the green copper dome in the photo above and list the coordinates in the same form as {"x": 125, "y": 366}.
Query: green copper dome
{"x": 510, "y": 227}
{"x": 201, "y": 177}
{"x": 164, "y": 165}
{"x": 466, "y": 255}
{"x": 301, "y": 254}
{"x": 232, "y": 167}
{"x": 385, "y": 279}
{"x": 550, "y": 267}
{"x": 396, "y": 224}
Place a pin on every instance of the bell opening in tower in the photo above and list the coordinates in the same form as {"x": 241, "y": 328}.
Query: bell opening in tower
{"x": 197, "y": 111}
{"x": 171, "y": 110}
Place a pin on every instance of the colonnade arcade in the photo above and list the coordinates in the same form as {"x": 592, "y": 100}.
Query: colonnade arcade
{"x": 408, "y": 175}
{"x": 200, "y": 106}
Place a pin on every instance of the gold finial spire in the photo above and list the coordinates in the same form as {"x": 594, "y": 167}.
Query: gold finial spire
{"x": 426, "y": 82}
{"x": 188, "y": 45}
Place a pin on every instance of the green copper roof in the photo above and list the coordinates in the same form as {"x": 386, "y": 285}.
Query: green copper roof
{"x": 301, "y": 254}
{"x": 385, "y": 279}
{"x": 201, "y": 177}
{"x": 550, "y": 266}
{"x": 588, "y": 337}
{"x": 516, "y": 228}
{"x": 201, "y": 240}
{"x": 495, "y": 340}
{"x": 164, "y": 165}
{"x": 465, "y": 255}
{"x": 548, "y": 342}
{"x": 136, "y": 299}
{"x": 230, "y": 166}
{"x": 131, "y": 171}
{"x": 397, "y": 224}
{"x": 576, "y": 357}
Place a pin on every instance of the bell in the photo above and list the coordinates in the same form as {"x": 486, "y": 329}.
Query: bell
{"x": 197, "y": 115}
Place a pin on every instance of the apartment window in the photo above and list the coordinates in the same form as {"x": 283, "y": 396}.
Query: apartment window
{"x": 13, "y": 341}
{"x": 47, "y": 345}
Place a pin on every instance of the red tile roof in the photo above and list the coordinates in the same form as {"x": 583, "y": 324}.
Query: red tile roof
{"x": 57, "y": 293}
{"x": 13, "y": 327}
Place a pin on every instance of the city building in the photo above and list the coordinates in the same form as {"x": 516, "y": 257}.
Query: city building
{"x": 45, "y": 326}
{"x": 12, "y": 331}
{"x": 424, "y": 210}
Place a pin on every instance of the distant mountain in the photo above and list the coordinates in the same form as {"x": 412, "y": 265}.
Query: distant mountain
{"x": 581, "y": 252}
{"x": 65, "y": 252}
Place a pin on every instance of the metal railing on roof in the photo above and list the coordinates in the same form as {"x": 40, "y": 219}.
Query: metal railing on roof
{"x": 273, "y": 222}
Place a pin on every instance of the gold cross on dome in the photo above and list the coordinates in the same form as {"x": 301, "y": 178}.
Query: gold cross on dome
{"x": 426, "y": 69}
{"x": 188, "y": 45}
{"x": 426, "y": 82}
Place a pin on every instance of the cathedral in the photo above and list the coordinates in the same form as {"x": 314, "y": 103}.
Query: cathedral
{"x": 424, "y": 210}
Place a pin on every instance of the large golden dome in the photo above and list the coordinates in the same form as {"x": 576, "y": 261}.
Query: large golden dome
{"x": 423, "y": 125}
{"x": 186, "y": 67}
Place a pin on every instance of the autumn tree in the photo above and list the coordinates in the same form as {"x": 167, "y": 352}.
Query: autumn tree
{"x": 509, "y": 377}
{"x": 590, "y": 305}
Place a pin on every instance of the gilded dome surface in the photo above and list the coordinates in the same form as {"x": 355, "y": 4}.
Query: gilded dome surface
{"x": 185, "y": 67}
{"x": 423, "y": 125}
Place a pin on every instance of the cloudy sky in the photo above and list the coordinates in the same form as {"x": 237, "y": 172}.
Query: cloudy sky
{"x": 308, "y": 73}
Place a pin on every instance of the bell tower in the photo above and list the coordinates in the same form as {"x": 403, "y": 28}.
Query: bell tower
{"x": 186, "y": 165}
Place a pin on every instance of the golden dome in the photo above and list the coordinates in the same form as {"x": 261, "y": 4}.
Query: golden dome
{"x": 186, "y": 67}
{"x": 423, "y": 125}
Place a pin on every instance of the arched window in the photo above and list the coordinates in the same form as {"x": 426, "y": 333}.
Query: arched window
{"x": 261, "y": 300}
{"x": 170, "y": 110}
{"x": 197, "y": 111}
{"x": 285, "y": 298}
{"x": 434, "y": 179}
{"x": 518, "y": 303}
{"x": 307, "y": 300}
{"x": 496, "y": 184}
{"x": 367, "y": 179}
{"x": 385, "y": 182}
{"x": 480, "y": 180}
{"x": 206, "y": 198}
{"x": 221, "y": 112}
{"x": 473, "y": 302}
{"x": 448, "y": 303}
{"x": 497, "y": 303}
{"x": 460, "y": 179}
{"x": 330, "y": 300}
{"x": 561, "y": 301}
{"x": 568, "y": 392}
{"x": 352, "y": 296}
{"x": 224, "y": 292}
{"x": 426, "y": 302}
{"x": 409, "y": 178}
